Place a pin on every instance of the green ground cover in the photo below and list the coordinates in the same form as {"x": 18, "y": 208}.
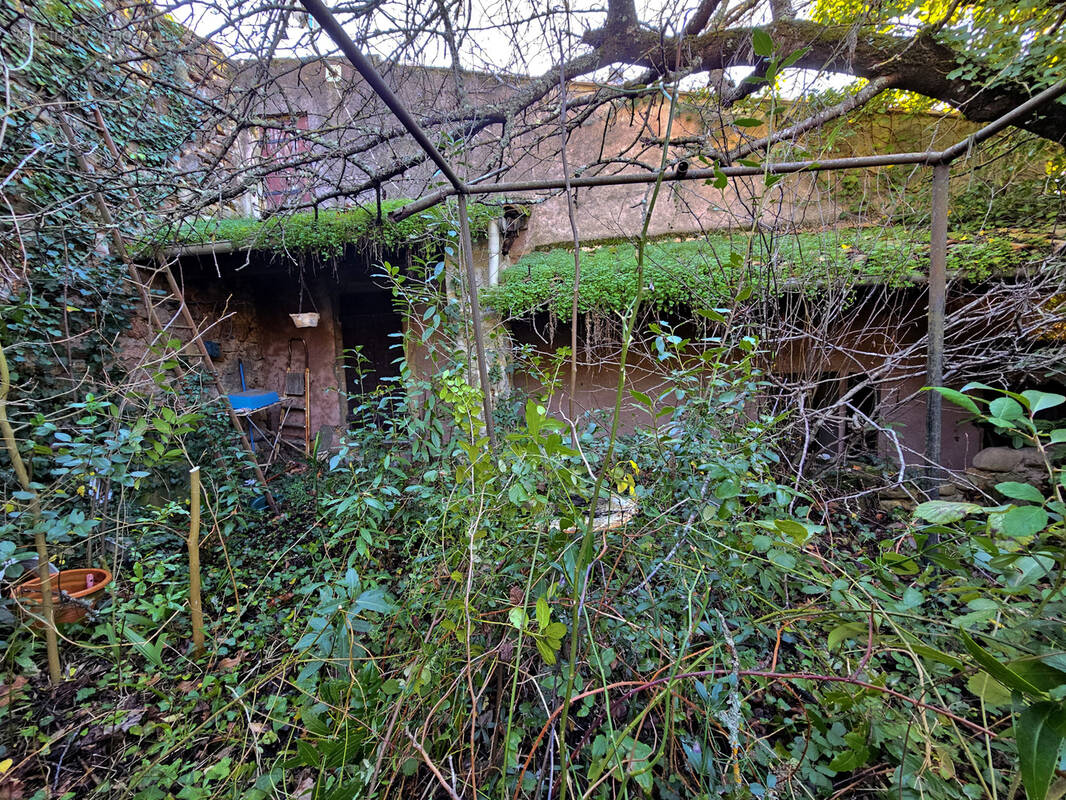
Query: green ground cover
{"x": 705, "y": 272}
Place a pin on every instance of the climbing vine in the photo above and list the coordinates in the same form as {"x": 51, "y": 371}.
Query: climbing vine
{"x": 66, "y": 297}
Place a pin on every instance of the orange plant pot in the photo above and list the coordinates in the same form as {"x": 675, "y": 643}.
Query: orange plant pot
{"x": 73, "y": 583}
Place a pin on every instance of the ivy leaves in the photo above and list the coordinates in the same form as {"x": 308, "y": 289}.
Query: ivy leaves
{"x": 702, "y": 273}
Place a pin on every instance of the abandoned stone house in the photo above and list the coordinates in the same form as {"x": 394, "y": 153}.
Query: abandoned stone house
{"x": 846, "y": 348}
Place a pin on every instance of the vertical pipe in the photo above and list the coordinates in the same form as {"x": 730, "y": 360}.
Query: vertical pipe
{"x": 475, "y": 310}
{"x": 196, "y": 611}
{"x": 934, "y": 367}
{"x": 307, "y": 409}
{"x": 494, "y": 253}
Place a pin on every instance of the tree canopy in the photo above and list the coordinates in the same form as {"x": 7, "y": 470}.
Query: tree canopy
{"x": 980, "y": 59}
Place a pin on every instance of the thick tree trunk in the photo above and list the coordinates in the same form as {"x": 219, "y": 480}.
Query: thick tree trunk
{"x": 919, "y": 64}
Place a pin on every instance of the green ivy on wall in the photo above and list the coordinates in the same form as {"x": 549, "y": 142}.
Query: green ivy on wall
{"x": 67, "y": 298}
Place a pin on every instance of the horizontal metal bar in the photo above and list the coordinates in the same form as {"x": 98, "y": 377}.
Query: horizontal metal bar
{"x": 335, "y": 32}
{"x": 929, "y": 158}
{"x": 421, "y": 204}
{"x": 703, "y": 174}
{"x": 1034, "y": 102}
{"x": 784, "y": 168}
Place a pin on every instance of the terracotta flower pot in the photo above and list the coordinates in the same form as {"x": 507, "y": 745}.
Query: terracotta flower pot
{"x": 75, "y": 584}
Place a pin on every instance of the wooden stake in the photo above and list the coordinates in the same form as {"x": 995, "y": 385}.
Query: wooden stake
{"x": 43, "y": 572}
{"x": 307, "y": 410}
{"x": 195, "y": 608}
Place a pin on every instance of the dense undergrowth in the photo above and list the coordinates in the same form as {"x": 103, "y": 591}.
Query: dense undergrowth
{"x": 403, "y": 628}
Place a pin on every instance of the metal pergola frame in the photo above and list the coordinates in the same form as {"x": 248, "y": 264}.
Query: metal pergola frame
{"x": 940, "y": 161}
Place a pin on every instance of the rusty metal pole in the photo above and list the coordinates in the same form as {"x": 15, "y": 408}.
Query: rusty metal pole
{"x": 467, "y": 245}
{"x": 934, "y": 367}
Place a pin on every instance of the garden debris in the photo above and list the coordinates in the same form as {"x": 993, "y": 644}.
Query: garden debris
{"x": 612, "y": 513}
{"x": 9, "y": 692}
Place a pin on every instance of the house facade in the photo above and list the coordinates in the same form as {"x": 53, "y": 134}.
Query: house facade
{"x": 844, "y": 347}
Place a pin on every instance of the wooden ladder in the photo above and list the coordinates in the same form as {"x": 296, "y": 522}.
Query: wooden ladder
{"x": 161, "y": 267}
{"x": 296, "y": 399}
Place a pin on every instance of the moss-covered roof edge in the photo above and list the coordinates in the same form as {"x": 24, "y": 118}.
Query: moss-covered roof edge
{"x": 325, "y": 232}
{"x": 705, "y": 272}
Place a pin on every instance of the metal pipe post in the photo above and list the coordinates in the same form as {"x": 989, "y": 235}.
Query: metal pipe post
{"x": 475, "y": 311}
{"x": 365, "y": 68}
{"x": 934, "y": 367}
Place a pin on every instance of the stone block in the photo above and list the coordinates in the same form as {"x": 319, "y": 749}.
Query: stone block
{"x": 1007, "y": 459}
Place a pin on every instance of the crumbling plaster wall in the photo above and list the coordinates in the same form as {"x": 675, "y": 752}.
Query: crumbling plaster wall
{"x": 248, "y": 317}
{"x": 858, "y": 348}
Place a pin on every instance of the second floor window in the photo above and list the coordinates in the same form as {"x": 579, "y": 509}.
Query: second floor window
{"x": 282, "y": 143}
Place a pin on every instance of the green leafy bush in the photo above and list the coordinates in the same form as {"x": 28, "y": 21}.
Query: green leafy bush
{"x": 708, "y": 272}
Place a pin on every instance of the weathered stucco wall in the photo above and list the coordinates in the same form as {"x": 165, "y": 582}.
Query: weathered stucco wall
{"x": 879, "y": 351}
{"x": 246, "y": 312}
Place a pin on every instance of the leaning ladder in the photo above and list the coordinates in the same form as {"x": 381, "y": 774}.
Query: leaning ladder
{"x": 176, "y": 293}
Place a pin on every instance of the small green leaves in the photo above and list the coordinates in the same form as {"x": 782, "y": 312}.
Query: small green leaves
{"x": 625, "y": 753}
{"x": 943, "y": 512}
{"x": 797, "y": 531}
{"x": 546, "y": 651}
{"x": 761, "y": 42}
{"x": 857, "y": 754}
{"x": 1020, "y": 521}
{"x": 373, "y": 600}
{"x": 845, "y": 631}
{"x": 548, "y": 637}
{"x": 1038, "y": 401}
{"x": 956, "y": 397}
{"x": 152, "y": 652}
{"x": 999, "y": 671}
{"x": 543, "y": 612}
{"x": 899, "y": 563}
{"x": 1005, "y": 409}
{"x": 1020, "y": 491}
{"x": 518, "y": 617}
{"x": 991, "y": 691}
{"x": 714, "y": 314}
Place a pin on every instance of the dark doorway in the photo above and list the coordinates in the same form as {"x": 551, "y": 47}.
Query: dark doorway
{"x": 370, "y": 328}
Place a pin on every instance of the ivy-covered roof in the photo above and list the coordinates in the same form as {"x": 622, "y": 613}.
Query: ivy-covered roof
{"x": 327, "y": 232}
{"x": 693, "y": 274}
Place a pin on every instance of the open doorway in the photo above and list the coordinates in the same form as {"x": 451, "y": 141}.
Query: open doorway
{"x": 370, "y": 325}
